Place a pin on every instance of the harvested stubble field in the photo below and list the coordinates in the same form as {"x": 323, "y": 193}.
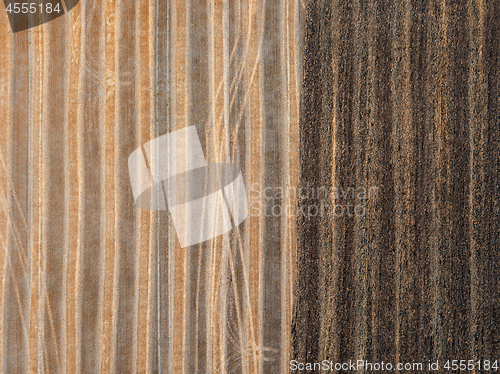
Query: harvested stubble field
{"x": 376, "y": 122}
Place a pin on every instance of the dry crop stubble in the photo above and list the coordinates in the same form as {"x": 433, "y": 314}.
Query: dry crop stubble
{"x": 398, "y": 95}
{"x": 91, "y": 283}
